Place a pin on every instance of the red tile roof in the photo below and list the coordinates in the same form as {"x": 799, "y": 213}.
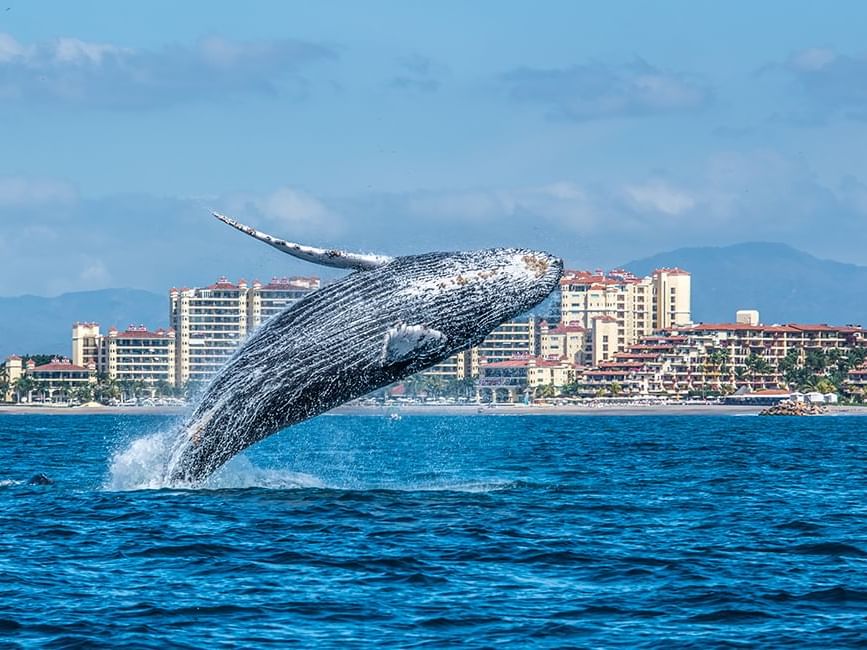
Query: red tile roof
{"x": 509, "y": 363}
{"x": 566, "y": 329}
{"x": 790, "y": 328}
{"x": 59, "y": 365}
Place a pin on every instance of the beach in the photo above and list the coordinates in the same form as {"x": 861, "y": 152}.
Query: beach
{"x": 444, "y": 409}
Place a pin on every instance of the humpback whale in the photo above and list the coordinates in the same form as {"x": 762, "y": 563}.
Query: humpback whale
{"x": 390, "y": 318}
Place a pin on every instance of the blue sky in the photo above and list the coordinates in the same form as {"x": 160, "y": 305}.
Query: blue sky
{"x": 601, "y": 132}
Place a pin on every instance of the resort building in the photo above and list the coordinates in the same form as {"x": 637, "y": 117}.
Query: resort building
{"x": 513, "y": 339}
{"x": 265, "y": 301}
{"x": 623, "y": 306}
{"x": 138, "y": 354}
{"x": 503, "y": 381}
{"x": 549, "y": 372}
{"x": 716, "y": 359}
{"x": 211, "y": 322}
{"x": 742, "y": 341}
{"x": 56, "y": 380}
{"x": 856, "y": 382}
{"x": 13, "y": 370}
{"x": 570, "y": 342}
{"x": 133, "y": 355}
{"x": 455, "y": 368}
{"x": 85, "y": 343}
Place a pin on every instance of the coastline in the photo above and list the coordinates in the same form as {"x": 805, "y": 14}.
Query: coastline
{"x": 444, "y": 410}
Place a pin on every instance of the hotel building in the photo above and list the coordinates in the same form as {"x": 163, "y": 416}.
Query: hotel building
{"x": 54, "y": 379}
{"x": 717, "y": 358}
{"x": 513, "y": 339}
{"x": 136, "y": 354}
{"x": 619, "y": 308}
{"x": 211, "y": 322}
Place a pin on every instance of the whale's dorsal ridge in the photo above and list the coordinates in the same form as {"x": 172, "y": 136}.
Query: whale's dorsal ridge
{"x": 405, "y": 342}
{"x": 337, "y": 258}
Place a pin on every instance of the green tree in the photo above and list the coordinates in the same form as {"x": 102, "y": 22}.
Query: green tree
{"x": 24, "y": 387}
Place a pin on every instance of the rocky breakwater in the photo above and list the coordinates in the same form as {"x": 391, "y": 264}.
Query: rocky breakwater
{"x": 794, "y": 408}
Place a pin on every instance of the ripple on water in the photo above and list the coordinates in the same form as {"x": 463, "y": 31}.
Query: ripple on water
{"x": 525, "y": 531}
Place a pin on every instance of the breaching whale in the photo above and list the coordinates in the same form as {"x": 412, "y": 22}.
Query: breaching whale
{"x": 389, "y": 319}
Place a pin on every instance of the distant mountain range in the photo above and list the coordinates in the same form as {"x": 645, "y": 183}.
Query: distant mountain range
{"x": 786, "y": 285}
{"x": 36, "y": 325}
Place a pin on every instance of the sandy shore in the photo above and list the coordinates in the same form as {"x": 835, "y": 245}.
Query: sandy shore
{"x": 439, "y": 409}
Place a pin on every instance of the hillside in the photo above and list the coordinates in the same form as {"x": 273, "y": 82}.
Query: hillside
{"x": 784, "y": 284}
{"x": 32, "y": 324}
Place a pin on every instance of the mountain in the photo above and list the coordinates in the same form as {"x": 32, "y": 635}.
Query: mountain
{"x": 786, "y": 285}
{"x": 34, "y": 325}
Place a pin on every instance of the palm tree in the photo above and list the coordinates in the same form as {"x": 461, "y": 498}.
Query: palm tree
{"x": 24, "y": 386}
{"x": 4, "y": 384}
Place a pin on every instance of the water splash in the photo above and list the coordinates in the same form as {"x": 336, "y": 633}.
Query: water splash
{"x": 145, "y": 465}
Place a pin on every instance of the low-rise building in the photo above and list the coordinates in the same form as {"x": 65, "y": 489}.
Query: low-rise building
{"x": 556, "y": 373}
{"x": 503, "y": 381}
{"x": 57, "y": 380}
{"x": 856, "y": 382}
{"x": 568, "y": 342}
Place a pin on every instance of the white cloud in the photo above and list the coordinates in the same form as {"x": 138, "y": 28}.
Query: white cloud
{"x": 75, "y": 51}
{"x": 564, "y": 202}
{"x": 659, "y": 196}
{"x": 73, "y": 71}
{"x": 94, "y": 273}
{"x": 826, "y": 83}
{"x": 21, "y": 191}
{"x": 10, "y": 49}
{"x": 596, "y": 90}
{"x": 812, "y": 59}
{"x": 297, "y": 212}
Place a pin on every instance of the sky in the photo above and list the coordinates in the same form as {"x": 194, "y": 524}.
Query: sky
{"x": 602, "y": 132}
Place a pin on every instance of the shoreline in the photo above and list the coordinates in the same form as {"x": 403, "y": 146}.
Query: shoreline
{"x": 445, "y": 410}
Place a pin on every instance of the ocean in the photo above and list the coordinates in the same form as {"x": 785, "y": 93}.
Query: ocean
{"x": 438, "y": 531}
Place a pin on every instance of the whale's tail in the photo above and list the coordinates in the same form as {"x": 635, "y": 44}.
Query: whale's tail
{"x": 331, "y": 257}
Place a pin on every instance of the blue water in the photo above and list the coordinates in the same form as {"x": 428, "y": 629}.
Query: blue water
{"x": 596, "y": 531}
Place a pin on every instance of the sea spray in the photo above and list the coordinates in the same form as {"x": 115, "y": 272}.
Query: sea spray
{"x": 144, "y": 465}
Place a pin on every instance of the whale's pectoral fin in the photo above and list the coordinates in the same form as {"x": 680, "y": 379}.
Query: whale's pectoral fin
{"x": 337, "y": 258}
{"x": 407, "y": 342}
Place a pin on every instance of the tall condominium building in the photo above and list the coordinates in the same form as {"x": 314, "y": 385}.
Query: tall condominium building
{"x": 619, "y": 308}
{"x": 513, "y": 339}
{"x": 85, "y": 344}
{"x": 455, "y": 367}
{"x": 210, "y": 322}
{"x": 136, "y": 354}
